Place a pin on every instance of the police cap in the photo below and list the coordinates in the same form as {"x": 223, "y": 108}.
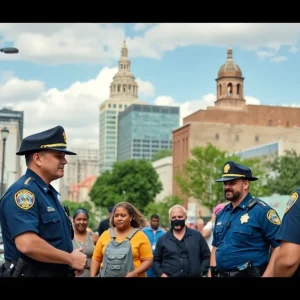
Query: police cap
{"x": 51, "y": 139}
{"x": 232, "y": 171}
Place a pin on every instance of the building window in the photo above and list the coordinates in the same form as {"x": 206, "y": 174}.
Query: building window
{"x": 217, "y": 136}
{"x": 270, "y": 122}
{"x": 237, "y": 138}
{"x": 256, "y": 138}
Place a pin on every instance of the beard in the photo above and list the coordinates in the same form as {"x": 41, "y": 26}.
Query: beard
{"x": 234, "y": 195}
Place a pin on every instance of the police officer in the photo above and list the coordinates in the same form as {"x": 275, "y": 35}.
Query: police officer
{"x": 245, "y": 229}
{"x": 288, "y": 257}
{"x": 37, "y": 233}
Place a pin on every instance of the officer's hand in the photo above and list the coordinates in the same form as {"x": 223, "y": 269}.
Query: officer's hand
{"x": 79, "y": 259}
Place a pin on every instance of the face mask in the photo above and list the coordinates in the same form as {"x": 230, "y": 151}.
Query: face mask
{"x": 176, "y": 222}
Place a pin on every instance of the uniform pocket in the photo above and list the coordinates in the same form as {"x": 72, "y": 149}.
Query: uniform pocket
{"x": 240, "y": 236}
{"x": 50, "y": 225}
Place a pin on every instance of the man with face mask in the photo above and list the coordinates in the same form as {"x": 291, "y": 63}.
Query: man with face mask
{"x": 181, "y": 251}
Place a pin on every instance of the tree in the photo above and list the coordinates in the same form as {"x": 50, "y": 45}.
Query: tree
{"x": 197, "y": 179}
{"x": 162, "y": 209}
{"x": 89, "y": 206}
{"x": 284, "y": 175}
{"x": 135, "y": 181}
{"x": 161, "y": 154}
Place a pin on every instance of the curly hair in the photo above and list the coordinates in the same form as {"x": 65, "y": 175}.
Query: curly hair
{"x": 138, "y": 219}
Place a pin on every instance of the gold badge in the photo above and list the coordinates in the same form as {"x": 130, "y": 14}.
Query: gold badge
{"x": 273, "y": 217}
{"x": 292, "y": 200}
{"x": 65, "y": 137}
{"x": 226, "y": 168}
{"x": 24, "y": 199}
{"x": 244, "y": 218}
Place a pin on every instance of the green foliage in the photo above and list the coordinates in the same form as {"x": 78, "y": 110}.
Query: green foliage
{"x": 205, "y": 165}
{"x": 135, "y": 181}
{"x": 161, "y": 154}
{"x": 284, "y": 175}
{"x": 90, "y": 207}
{"x": 162, "y": 209}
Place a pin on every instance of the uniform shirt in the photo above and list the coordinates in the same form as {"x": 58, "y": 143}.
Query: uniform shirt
{"x": 242, "y": 236}
{"x": 31, "y": 205}
{"x": 289, "y": 228}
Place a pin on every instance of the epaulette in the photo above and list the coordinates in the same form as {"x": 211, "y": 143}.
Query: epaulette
{"x": 28, "y": 181}
{"x": 262, "y": 203}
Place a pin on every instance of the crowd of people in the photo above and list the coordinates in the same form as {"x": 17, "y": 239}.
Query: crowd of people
{"x": 244, "y": 238}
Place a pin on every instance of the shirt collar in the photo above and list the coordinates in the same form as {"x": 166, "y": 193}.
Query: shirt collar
{"x": 242, "y": 205}
{"x": 40, "y": 182}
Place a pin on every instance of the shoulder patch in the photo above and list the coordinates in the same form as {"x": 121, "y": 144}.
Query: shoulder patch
{"x": 292, "y": 200}
{"x": 24, "y": 199}
{"x": 273, "y": 217}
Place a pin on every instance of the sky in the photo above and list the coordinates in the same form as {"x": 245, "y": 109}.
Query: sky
{"x": 63, "y": 71}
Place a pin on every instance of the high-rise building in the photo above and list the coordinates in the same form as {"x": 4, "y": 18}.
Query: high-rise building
{"x": 146, "y": 129}
{"x": 123, "y": 93}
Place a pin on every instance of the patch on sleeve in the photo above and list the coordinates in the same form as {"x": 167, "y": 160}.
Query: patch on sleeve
{"x": 24, "y": 199}
{"x": 292, "y": 200}
{"x": 273, "y": 217}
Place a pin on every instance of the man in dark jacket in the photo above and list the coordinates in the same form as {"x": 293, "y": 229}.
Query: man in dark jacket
{"x": 104, "y": 224}
{"x": 181, "y": 251}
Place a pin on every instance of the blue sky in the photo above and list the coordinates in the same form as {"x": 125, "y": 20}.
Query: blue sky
{"x": 63, "y": 71}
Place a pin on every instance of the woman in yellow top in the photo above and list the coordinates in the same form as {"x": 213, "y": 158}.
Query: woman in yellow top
{"x": 125, "y": 217}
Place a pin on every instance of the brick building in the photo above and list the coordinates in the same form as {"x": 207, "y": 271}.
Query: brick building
{"x": 231, "y": 124}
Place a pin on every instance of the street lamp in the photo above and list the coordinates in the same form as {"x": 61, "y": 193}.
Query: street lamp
{"x": 9, "y": 50}
{"x": 4, "y": 135}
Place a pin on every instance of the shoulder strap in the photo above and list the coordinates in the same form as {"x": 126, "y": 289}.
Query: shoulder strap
{"x": 251, "y": 204}
{"x": 112, "y": 232}
{"x": 132, "y": 233}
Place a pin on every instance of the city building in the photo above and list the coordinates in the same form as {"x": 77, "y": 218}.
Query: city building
{"x": 79, "y": 172}
{"x": 123, "y": 93}
{"x": 13, "y": 164}
{"x": 143, "y": 130}
{"x": 231, "y": 124}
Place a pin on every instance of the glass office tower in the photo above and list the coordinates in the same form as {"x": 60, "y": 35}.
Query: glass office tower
{"x": 145, "y": 129}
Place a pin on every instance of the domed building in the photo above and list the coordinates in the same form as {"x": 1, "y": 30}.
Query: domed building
{"x": 230, "y": 84}
{"x": 234, "y": 126}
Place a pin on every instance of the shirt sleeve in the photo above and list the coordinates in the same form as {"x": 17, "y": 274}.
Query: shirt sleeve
{"x": 158, "y": 257}
{"x": 98, "y": 250}
{"x": 21, "y": 212}
{"x": 270, "y": 224}
{"x": 145, "y": 249}
{"x": 289, "y": 228}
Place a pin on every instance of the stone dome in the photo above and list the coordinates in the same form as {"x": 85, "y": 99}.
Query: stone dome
{"x": 230, "y": 68}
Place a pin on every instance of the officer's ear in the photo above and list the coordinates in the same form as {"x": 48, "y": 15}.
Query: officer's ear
{"x": 246, "y": 184}
{"x": 36, "y": 157}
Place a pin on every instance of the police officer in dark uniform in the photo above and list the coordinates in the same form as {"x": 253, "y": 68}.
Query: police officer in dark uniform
{"x": 37, "y": 233}
{"x": 288, "y": 257}
{"x": 245, "y": 229}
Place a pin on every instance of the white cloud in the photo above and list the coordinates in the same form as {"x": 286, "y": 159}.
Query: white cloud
{"x": 146, "y": 88}
{"x": 75, "y": 108}
{"x": 99, "y": 43}
{"x": 141, "y": 26}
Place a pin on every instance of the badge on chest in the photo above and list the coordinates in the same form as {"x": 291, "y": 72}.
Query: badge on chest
{"x": 244, "y": 218}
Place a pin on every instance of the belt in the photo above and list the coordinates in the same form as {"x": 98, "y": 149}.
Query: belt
{"x": 233, "y": 274}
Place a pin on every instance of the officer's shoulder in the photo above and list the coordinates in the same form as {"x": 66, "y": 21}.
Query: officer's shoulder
{"x": 262, "y": 203}
{"x": 23, "y": 185}
{"x": 293, "y": 199}
{"x": 24, "y": 182}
